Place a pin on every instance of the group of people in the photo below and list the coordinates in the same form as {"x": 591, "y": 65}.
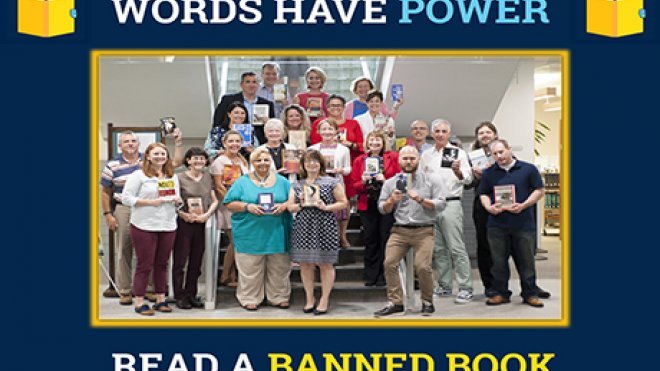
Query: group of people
{"x": 276, "y": 216}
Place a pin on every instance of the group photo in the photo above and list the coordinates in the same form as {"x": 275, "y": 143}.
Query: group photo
{"x": 298, "y": 188}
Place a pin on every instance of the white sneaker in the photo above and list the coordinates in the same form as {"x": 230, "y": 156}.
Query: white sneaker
{"x": 463, "y": 297}
{"x": 440, "y": 292}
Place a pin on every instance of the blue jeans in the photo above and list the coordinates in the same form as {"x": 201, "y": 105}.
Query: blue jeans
{"x": 519, "y": 244}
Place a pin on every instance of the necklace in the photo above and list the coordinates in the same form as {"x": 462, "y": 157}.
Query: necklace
{"x": 262, "y": 182}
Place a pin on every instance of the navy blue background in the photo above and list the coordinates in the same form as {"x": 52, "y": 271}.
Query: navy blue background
{"x": 614, "y": 130}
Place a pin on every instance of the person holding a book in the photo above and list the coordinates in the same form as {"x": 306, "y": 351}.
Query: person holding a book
{"x": 414, "y": 198}
{"x": 313, "y": 100}
{"x": 314, "y": 239}
{"x": 368, "y": 174}
{"x": 452, "y": 168}
{"x": 350, "y": 134}
{"x": 248, "y": 97}
{"x": 508, "y": 191}
{"x": 373, "y": 119}
{"x": 338, "y": 164}
{"x": 274, "y": 130}
{"x": 295, "y": 119}
{"x": 117, "y": 215}
{"x": 271, "y": 88}
{"x": 153, "y": 194}
{"x": 199, "y": 204}
{"x": 361, "y": 86}
{"x": 237, "y": 114}
{"x": 261, "y": 226}
{"x": 225, "y": 169}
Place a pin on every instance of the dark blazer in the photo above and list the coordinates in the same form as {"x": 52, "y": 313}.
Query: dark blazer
{"x": 227, "y": 99}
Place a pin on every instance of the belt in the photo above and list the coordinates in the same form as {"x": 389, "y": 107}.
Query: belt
{"x": 452, "y": 199}
{"x": 413, "y": 226}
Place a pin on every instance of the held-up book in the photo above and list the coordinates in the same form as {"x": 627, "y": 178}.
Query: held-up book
{"x": 230, "y": 173}
{"x": 380, "y": 123}
{"x": 314, "y": 106}
{"x": 449, "y": 155}
{"x": 329, "y": 162}
{"x": 266, "y": 202}
{"x": 311, "y": 195}
{"x": 298, "y": 139}
{"x": 195, "y": 205}
{"x": 372, "y": 165}
{"x": 403, "y": 182}
{"x": 166, "y": 188}
{"x": 397, "y": 92}
{"x": 341, "y": 134}
{"x": 246, "y": 133}
{"x": 260, "y": 111}
{"x": 480, "y": 159}
{"x": 279, "y": 92}
{"x": 505, "y": 194}
{"x": 291, "y": 160}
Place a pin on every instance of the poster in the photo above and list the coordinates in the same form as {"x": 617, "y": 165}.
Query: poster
{"x": 610, "y": 85}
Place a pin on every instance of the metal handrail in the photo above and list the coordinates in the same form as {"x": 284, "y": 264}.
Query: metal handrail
{"x": 212, "y": 239}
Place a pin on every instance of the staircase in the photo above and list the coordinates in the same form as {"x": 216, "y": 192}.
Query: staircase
{"x": 349, "y": 285}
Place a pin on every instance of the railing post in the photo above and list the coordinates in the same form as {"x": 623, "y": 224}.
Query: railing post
{"x": 211, "y": 263}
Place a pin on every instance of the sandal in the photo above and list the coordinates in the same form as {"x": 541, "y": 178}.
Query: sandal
{"x": 250, "y": 307}
{"x": 144, "y": 310}
{"x": 162, "y": 307}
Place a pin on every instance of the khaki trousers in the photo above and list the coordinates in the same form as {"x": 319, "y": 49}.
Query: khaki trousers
{"x": 401, "y": 239}
{"x": 259, "y": 273}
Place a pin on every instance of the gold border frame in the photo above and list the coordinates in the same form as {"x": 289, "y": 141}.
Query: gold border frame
{"x": 562, "y": 322}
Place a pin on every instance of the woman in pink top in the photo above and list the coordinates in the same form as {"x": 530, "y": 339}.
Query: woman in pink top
{"x": 314, "y": 99}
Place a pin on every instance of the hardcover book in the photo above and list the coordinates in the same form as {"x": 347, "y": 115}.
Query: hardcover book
{"x": 403, "y": 182}
{"x": 246, "y": 133}
{"x": 195, "y": 205}
{"x": 266, "y": 201}
{"x": 298, "y": 139}
{"x": 260, "y": 112}
{"x": 166, "y": 188}
{"x": 341, "y": 134}
{"x": 230, "y": 173}
{"x": 372, "y": 165}
{"x": 329, "y": 162}
{"x": 314, "y": 106}
{"x": 380, "y": 123}
{"x": 449, "y": 155}
{"x": 397, "y": 92}
{"x": 279, "y": 92}
{"x": 291, "y": 160}
{"x": 480, "y": 159}
{"x": 505, "y": 194}
{"x": 311, "y": 195}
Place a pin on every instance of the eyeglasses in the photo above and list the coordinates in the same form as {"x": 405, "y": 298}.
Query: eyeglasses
{"x": 335, "y": 105}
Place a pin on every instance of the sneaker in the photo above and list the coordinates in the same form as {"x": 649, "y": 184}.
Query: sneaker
{"x": 427, "y": 309}
{"x": 126, "y": 299}
{"x": 463, "y": 297}
{"x": 391, "y": 309}
{"x": 440, "y": 292}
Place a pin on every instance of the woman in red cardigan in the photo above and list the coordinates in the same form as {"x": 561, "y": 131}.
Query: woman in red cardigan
{"x": 368, "y": 174}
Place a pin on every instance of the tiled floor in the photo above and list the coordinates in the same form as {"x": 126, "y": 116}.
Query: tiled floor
{"x": 549, "y": 278}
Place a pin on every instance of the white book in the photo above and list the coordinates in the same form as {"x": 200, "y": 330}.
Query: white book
{"x": 480, "y": 159}
{"x": 260, "y": 113}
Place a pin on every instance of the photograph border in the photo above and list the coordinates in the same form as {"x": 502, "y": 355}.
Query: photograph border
{"x": 429, "y": 322}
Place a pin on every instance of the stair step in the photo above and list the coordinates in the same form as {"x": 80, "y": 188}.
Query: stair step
{"x": 341, "y": 291}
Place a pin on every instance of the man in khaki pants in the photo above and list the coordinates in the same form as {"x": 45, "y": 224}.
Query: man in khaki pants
{"x": 415, "y": 200}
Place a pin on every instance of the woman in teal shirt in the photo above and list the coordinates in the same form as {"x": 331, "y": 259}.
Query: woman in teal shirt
{"x": 261, "y": 226}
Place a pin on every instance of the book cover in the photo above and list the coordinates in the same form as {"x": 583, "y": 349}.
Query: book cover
{"x": 380, "y": 122}
{"x": 298, "y": 139}
{"x": 230, "y": 173}
{"x": 279, "y": 92}
{"x": 372, "y": 165}
{"x": 341, "y": 134}
{"x": 480, "y": 159}
{"x": 246, "y": 133}
{"x": 266, "y": 201}
{"x": 260, "y": 114}
{"x": 314, "y": 106}
{"x": 195, "y": 205}
{"x": 166, "y": 188}
{"x": 505, "y": 194}
{"x": 397, "y": 92}
{"x": 449, "y": 155}
{"x": 311, "y": 195}
{"x": 329, "y": 162}
{"x": 291, "y": 160}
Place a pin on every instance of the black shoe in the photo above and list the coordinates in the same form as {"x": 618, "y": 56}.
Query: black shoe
{"x": 196, "y": 303}
{"x": 370, "y": 283}
{"x": 542, "y": 293}
{"x": 310, "y": 310}
{"x": 381, "y": 283}
{"x": 320, "y": 312}
{"x": 183, "y": 303}
{"x": 427, "y": 309}
{"x": 391, "y": 309}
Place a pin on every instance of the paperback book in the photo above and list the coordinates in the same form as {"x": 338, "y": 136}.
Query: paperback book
{"x": 298, "y": 139}
{"x": 195, "y": 205}
{"x": 314, "y": 106}
{"x": 449, "y": 155}
{"x": 311, "y": 195}
{"x": 372, "y": 165}
{"x": 166, "y": 188}
{"x": 260, "y": 113}
{"x": 230, "y": 173}
{"x": 291, "y": 160}
{"x": 397, "y": 92}
{"x": 505, "y": 194}
{"x": 480, "y": 159}
{"x": 246, "y": 133}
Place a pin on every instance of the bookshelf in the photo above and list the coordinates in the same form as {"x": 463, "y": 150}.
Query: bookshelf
{"x": 551, "y": 204}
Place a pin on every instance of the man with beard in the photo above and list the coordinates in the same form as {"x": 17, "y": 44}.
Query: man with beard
{"x": 415, "y": 199}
